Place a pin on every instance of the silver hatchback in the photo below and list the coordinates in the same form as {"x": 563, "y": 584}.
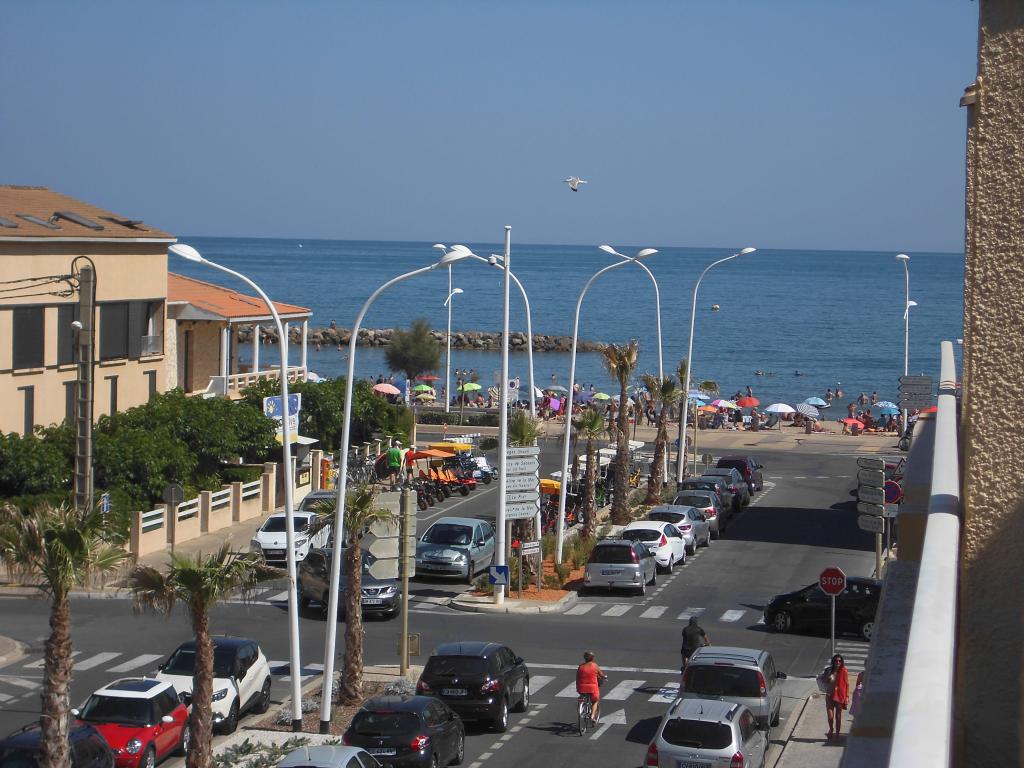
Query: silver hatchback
{"x": 699, "y": 733}
{"x": 620, "y": 564}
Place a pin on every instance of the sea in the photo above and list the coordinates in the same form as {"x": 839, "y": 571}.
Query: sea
{"x": 807, "y": 320}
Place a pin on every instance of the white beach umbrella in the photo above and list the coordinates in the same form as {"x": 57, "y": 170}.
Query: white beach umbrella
{"x": 779, "y": 408}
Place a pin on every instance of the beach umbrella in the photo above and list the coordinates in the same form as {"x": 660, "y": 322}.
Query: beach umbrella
{"x": 557, "y": 388}
{"x": 469, "y": 386}
{"x": 748, "y": 402}
{"x": 708, "y": 409}
{"x": 808, "y": 410}
{"x": 779, "y": 408}
{"x": 886, "y": 404}
{"x": 720, "y": 403}
{"x": 602, "y": 396}
{"x": 889, "y": 410}
{"x": 425, "y": 396}
{"x": 816, "y": 401}
{"x": 423, "y": 388}
{"x": 851, "y": 421}
{"x": 386, "y": 389}
{"x": 428, "y": 377}
{"x": 537, "y": 392}
{"x": 696, "y": 394}
{"x": 583, "y": 397}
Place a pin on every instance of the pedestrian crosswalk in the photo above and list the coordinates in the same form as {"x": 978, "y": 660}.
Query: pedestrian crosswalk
{"x": 644, "y": 611}
{"x": 854, "y": 653}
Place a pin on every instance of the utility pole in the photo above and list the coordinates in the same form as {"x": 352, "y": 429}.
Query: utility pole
{"x": 84, "y": 353}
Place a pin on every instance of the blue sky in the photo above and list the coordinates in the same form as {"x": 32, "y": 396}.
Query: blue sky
{"x": 784, "y": 124}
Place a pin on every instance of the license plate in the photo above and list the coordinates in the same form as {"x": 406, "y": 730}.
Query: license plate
{"x": 372, "y": 601}
{"x": 454, "y": 691}
{"x": 610, "y": 573}
{"x": 431, "y": 566}
{"x": 692, "y": 764}
{"x": 275, "y": 552}
{"x": 382, "y": 750}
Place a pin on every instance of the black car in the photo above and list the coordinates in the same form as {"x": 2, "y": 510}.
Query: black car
{"x": 725, "y": 507}
{"x": 480, "y": 681}
{"x": 809, "y": 609}
{"x": 748, "y": 467}
{"x": 22, "y": 749}
{"x": 408, "y": 731}
{"x": 381, "y": 597}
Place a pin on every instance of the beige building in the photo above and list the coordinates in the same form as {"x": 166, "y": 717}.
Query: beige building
{"x": 42, "y": 234}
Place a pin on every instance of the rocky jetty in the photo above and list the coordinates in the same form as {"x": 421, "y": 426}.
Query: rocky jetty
{"x": 381, "y": 337}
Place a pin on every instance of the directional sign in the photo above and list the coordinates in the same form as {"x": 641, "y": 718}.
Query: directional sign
{"x": 521, "y": 511}
{"x": 892, "y": 510}
{"x": 105, "y": 503}
{"x": 832, "y": 580}
{"x": 524, "y": 466}
{"x": 870, "y": 509}
{"x": 522, "y": 498}
{"x": 870, "y": 495}
{"x": 498, "y": 575}
{"x": 872, "y": 477}
{"x": 520, "y": 451}
{"x": 531, "y": 547}
{"x": 607, "y": 721}
{"x": 521, "y": 483}
{"x": 916, "y": 401}
{"x": 870, "y": 523}
{"x": 915, "y": 383}
{"x": 871, "y": 462}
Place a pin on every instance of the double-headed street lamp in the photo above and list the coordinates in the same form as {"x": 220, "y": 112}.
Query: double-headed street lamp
{"x": 448, "y": 342}
{"x": 681, "y": 454}
{"x": 905, "y": 260}
{"x": 191, "y": 254}
{"x": 560, "y": 539}
{"x": 657, "y": 299}
{"x": 339, "y": 513}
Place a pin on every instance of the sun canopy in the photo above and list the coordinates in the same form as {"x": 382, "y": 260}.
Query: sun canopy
{"x": 450, "y": 448}
{"x": 550, "y": 486}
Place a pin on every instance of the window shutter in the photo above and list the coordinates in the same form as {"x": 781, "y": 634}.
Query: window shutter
{"x": 27, "y": 346}
{"x": 113, "y": 331}
{"x": 66, "y": 336}
{"x": 137, "y": 317}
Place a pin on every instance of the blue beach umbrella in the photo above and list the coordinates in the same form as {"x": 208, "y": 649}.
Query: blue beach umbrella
{"x": 815, "y": 401}
{"x": 887, "y": 404}
{"x": 696, "y": 394}
{"x": 889, "y": 410}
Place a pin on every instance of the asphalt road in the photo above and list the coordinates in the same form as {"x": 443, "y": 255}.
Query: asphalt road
{"x": 803, "y": 521}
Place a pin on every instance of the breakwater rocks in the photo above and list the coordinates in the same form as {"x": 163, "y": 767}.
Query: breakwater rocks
{"x": 381, "y": 337}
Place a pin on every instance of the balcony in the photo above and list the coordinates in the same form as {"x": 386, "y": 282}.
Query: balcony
{"x": 152, "y": 345}
{"x": 232, "y": 385}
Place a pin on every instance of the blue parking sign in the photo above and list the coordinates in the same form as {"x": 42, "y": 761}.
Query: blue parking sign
{"x": 498, "y": 575}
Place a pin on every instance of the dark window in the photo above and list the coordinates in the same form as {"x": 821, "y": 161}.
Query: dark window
{"x": 642, "y": 534}
{"x": 368, "y": 723}
{"x": 697, "y": 734}
{"x": 69, "y": 400}
{"x": 614, "y": 554}
{"x": 453, "y": 666}
{"x": 151, "y": 376}
{"x": 30, "y": 409}
{"x": 113, "y": 393}
{"x": 717, "y": 681}
{"x": 353, "y": 762}
{"x": 27, "y": 343}
{"x": 66, "y": 335}
{"x": 114, "y": 331}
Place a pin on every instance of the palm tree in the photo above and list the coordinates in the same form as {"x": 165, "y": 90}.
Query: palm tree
{"x": 523, "y": 429}
{"x": 64, "y": 547}
{"x": 590, "y": 424}
{"x": 665, "y": 392}
{"x": 620, "y": 361}
{"x": 199, "y": 582}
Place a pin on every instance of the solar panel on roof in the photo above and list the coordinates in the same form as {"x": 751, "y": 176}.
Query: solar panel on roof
{"x": 78, "y": 219}
{"x": 8, "y": 223}
{"x": 37, "y": 220}
{"x": 129, "y": 223}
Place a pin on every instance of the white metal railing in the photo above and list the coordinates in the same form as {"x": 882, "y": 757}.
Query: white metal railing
{"x": 152, "y": 520}
{"x": 188, "y": 509}
{"x": 236, "y": 382}
{"x": 252, "y": 489}
{"x": 922, "y": 734}
{"x": 221, "y": 498}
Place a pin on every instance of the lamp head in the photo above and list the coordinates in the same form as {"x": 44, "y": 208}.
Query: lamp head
{"x": 441, "y": 247}
{"x": 903, "y": 257}
{"x": 746, "y": 251}
{"x": 460, "y": 247}
{"x": 493, "y": 259}
{"x": 456, "y": 291}
{"x": 451, "y": 257}
{"x": 186, "y": 252}
{"x": 645, "y": 252}
{"x": 911, "y": 303}
{"x": 76, "y": 325}
{"x": 609, "y": 249}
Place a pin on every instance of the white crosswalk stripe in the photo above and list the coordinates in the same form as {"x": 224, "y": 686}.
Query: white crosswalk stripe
{"x": 617, "y": 610}
{"x": 730, "y": 616}
{"x": 623, "y": 690}
{"x": 654, "y": 612}
{"x": 40, "y": 663}
{"x": 281, "y": 667}
{"x": 539, "y": 681}
{"x": 20, "y": 682}
{"x": 690, "y": 611}
{"x": 569, "y": 690}
{"x": 95, "y": 661}
{"x": 666, "y": 694}
{"x": 579, "y": 610}
{"x": 138, "y": 661}
{"x": 280, "y": 597}
{"x": 4, "y": 698}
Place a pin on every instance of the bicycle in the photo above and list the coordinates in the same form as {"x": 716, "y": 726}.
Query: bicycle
{"x": 585, "y": 712}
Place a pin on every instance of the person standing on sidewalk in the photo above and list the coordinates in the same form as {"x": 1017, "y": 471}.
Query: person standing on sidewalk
{"x": 694, "y": 637}
{"x": 837, "y": 695}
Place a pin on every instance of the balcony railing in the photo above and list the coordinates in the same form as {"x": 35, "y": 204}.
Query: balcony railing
{"x": 232, "y": 385}
{"x": 152, "y": 345}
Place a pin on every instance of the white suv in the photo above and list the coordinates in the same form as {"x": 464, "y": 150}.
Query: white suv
{"x": 270, "y": 540}
{"x": 241, "y": 678}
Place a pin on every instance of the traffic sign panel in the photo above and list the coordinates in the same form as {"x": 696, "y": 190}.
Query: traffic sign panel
{"x": 832, "y": 580}
{"x": 522, "y": 498}
{"x": 909, "y": 401}
{"x": 871, "y": 524}
{"x": 498, "y": 574}
{"x": 523, "y": 466}
{"x": 518, "y": 451}
{"x": 871, "y": 462}
{"x": 871, "y": 477}
{"x": 521, "y": 511}
{"x": 871, "y": 495}
{"x": 531, "y": 547}
{"x": 891, "y": 510}
{"x": 893, "y": 492}
{"x": 870, "y": 509}
{"x": 914, "y": 381}
{"x": 521, "y": 483}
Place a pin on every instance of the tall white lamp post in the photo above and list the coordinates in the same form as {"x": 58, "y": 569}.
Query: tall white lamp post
{"x": 689, "y": 364}
{"x": 905, "y": 260}
{"x": 560, "y": 538}
{"x": 657, "y": 300}
{"x": 190, "y": 253}
{"x": 448, "y": 343}
{"x": 339, "y": 513}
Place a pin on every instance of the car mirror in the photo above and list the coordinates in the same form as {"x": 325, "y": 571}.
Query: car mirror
{"x": 781, "y": 675}
{"x": 167, "y": 719}
{"x": 75, "y": 712}
{"x": 481, "y": 542}
{"x": 519, "y": 659}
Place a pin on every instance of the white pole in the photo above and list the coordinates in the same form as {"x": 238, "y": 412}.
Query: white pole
{"x": 448, "y": 347}
{"x": 256, "y": 348}
{"x": 305, "y": 349}
{"x": 906, "y": 325}
{"x": 499, "y": 555}
{"x": 529, "y": 347}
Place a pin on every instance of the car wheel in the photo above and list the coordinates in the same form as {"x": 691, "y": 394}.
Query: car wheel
{"x": 714, "y": 534}
{"x": 486, "y": 478}
{"x": 524, "y": 702}
{"x": 460, "y": 750}
{"x": 435, "y": 760}
{"x": 263, "y": 702}
{"x": 867, "y": 629}
{"x": 774, "y": 722}
{"x": 692, "y": 548}
{"x": 149, "y": 759}
{"x": 707, "y": 538}
{"x": 643, "y": 586}
{"x": 470, "y": 570}
{"x": 185, "y": 744}
{"x": 500, "y": 722}
{"x": 671, "y": 563}
{"x": 782, "y": 622}
{"x": 230, "y": 723}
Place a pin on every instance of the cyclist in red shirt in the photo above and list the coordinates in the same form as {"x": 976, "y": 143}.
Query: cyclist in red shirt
{"x": 588, "y": 680}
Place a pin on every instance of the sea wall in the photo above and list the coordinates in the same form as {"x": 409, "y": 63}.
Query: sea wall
{"x": 381, "y": 337}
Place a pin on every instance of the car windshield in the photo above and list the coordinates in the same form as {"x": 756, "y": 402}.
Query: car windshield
{"x": 368, "y": 723}
{"x": 613, "y": 555}
{"x": 667, "y": 517}
{"x": 700, "y": 486}
{"x": 642, "y": 534}
{"x": 183, "y": 662}
{"x": 277, "y": 524}
{"x": 450, "y": 666}
{"x": 714, "y": 680}
{"x": 737, "y": 464}
{"x": 312, "y": 501}
{"x": 116, "y": 709}
{"x": 697, "y": 734}
{"x": 693, "y": 501}
{"x": 447, "y": 533}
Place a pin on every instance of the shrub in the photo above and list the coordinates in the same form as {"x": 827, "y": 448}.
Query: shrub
{"x": 483, "y": 584}
{"x": 551, "y": 581}
{"x": 562, "y": 571}
{"x": 240, "y": 473}
{"x": 547, "y": 544}
{"x": 488, "y": 443}
{"x": 469, "y": 418}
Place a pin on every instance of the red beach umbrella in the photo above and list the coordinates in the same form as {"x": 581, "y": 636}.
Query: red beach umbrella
{"x": 748, "y": 402}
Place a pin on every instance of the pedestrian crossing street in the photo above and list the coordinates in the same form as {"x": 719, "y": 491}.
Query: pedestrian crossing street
{"x": 642, "y": 611}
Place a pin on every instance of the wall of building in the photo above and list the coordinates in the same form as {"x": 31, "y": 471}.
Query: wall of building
{"x": 125, "y": 271}
{"x": 204, "y": 353}
{"x": 990, "y": 673}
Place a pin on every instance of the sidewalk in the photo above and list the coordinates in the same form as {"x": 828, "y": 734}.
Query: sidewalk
{"x": 806, "y": 746}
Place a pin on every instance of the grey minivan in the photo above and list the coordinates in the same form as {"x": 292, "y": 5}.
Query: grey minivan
{"x": 620, "y": 564}
{"x": 745, "y": 676}
{"x": 700, "y": 733}
{"x": 455, "y": 546}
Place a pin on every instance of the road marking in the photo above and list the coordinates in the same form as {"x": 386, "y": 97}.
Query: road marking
{"x": 20, "y": 682}
{"x": 607, "y": 721}
{"x": 447, "y": 510}
{"x": 731, "y": 616}
{"x": 579, "y": 610}
{"x": 654, "y": 612}
{"x": 574, "y": 667}
{"x": 486, "y": 756}
{"x": 623, "y": 690}
{"x": 690, "y": 611}
{"x": 569, "y": 690}
{"x": 617, "y": 610}
{"x": 95, "y": 661}
{"x": 4, "y": 697}
{"x": 821, "y": 477}
{"x": 515, "y": 729}
{"x": 280, "y": 597}
{"x": 775, "y": 477}
{"x": 506, "y": 737}
{"x": 138, "y": 661}
{"x": 41, "y": 663}
{"x": 539, "y": 681}
{"x": 666, "y": 694}
{"x": 281, "y": 667}
{"x": 799, "y": 477}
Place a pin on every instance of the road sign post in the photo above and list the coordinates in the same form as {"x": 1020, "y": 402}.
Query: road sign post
{"x": 871, "y": 484}
{"x": 832, "y": 582}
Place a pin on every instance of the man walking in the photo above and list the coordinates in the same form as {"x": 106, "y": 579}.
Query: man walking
{"x": 694, "y": 637}
{"x": 394, "y": 463}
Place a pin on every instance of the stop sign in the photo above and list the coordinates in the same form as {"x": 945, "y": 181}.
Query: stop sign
{"x": 832, "y": 581}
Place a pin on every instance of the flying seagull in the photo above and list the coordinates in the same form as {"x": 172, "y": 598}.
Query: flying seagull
{"x": 574, "y": 183}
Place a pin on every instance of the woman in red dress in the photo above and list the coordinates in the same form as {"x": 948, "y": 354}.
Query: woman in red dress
{"x": 837, "y": 695}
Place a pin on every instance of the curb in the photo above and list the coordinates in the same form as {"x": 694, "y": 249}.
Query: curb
{"x": 11, "y": 650}
{"x": 793, "y": 723}
{"x": 482, "y": 605}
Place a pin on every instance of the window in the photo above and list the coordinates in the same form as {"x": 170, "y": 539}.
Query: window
{"x": 113, "y": 331}
{"x": 66, "y": 335}
{"x": 69, "y": 400}
{"x": 113, "y": 393}
{"x": 30, "y": 409}
{"x": 27, "y": 342}
{"x": 130, "y": 329}
{"x": 151, "y": 379}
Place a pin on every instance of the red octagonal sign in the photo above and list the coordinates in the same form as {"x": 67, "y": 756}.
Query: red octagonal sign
{"x": 832, "y": 581}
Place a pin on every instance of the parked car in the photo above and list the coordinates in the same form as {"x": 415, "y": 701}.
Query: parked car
{"x": 749, "y": 467}
{"x": 706, "y": 732}
{"x": 707, "y": 502}
{"x": 717, "y": 485}
{"x": 744, "y": 676}
{"x": 23, "y": 748}
{"x": 417, "y": 731}
{"x": 809, "y": 609}
{"x": 455, "y": 546}
{"x": 270, "y": 539}
{"x": 479, "y": 680}
{"x": 736, "y": 483}
{"x": 241, "y": 678}
{"x": 315, "y": 499}
{"x": 729, "y": 495}
{"x": 620, "y": 564}
{"x": 690, "y": 521}
{"x": 142, "y": 720}
{"x": 325, "y": 756}
{"x": 664, "y": 541}
{"x": 381, "y": 597}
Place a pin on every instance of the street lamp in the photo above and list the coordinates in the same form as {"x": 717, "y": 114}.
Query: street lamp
{"x": 657, "y": 299}
{"x": 339, "y": 508}
{"x": 560, "y": 539}
{"x": 905, "y": 260}
{"x": 448, "y": 342}
{"x": 689, "y": 365}
{"x": 191, "y": 254}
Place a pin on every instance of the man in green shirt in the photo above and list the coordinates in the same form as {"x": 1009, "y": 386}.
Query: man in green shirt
{"x": 394, "y": 463}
